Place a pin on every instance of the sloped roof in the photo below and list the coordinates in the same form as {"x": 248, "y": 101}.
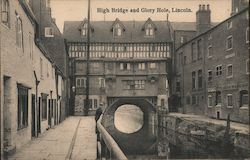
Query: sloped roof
{"x": 102, "y": 33}
{"x": 187, "y": 26}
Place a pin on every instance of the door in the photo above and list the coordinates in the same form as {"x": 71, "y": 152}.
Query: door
{"x": 39, "y": 116}
{"x": 33, "y": 114}
{"x": 50, "y": 107}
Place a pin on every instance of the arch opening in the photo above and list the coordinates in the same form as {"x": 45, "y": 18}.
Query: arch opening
{"x": 128, "y": 118}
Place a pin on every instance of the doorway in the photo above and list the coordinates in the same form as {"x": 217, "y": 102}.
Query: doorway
{"x": 218, "y": 115}
{"x": 33, "y": 114}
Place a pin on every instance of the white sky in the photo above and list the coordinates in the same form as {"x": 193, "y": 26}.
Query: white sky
{"x": 76, "y": 10}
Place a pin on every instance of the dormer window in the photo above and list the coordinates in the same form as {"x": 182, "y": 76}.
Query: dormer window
{"x": 117, "y": 30}
{"x": 149, "y": 30}
{"x": 84, "y": 30}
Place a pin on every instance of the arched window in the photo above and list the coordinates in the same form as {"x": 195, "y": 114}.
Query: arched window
{"x": 117, "y": 30}
{"x": 19, "y": 32}
{"x": 84, "y": 29}
{"x": 149, "y": 30}
{"x": 244, "y": 98}
{"x": 5, "y": 12}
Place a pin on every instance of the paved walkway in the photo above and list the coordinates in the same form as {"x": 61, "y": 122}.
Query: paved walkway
{"x": 74, "y": 138}
{"x": 243, "y": 128}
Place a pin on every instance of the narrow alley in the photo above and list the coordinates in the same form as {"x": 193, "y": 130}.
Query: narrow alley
{"x": 75, "y": 138}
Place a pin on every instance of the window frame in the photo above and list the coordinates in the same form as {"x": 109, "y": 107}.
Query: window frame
{"x": 229, "y": 106}
{"x": 19, "y": 32}
{"x": 227, "y": 43}
{"x": 22, "y": 107}
{"x": 208, "y": 101}
{"x": 247, "y": 35}
{"x": 152, "y": 65}
{"x": 209, "y": 50}
{"x": 229, "y": 76}
{"x": 218, "y": 71}
{"x": 49, "y": 32}
{"x": 5, "y": 9}
{"x": 209, "y": 78}
{"x": 247, "y": 66}
{"x": 229, "y": 24}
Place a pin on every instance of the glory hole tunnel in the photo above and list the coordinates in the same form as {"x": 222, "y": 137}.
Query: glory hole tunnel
{"x": 131, "y": 122}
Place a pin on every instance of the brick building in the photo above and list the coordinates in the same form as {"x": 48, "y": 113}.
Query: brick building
{"x": 127, "y": 59}
{"x": 212, "y": 69}
{"x": 31, "y": 81}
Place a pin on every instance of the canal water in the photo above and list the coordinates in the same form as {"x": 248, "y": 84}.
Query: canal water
{"x": 152, "y": 142}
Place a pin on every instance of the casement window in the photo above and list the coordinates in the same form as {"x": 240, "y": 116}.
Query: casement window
{"x": 229, "y": 44}
{"x": 152, "y": 65}
{"x": 229, "y": 100}
{"x": 210, "y": 101}
{"x": 219, "y": 70}
{"x": 200, "y": 78}
{"x": 44, "y": 106}
{"x": 229, "y": 24}
{"x": 41, "y": 68}
{"x": 141, "y": 66}
{"x": 162, "y": 102}
{"x": 22, "y": 110}
{"x": 209, "y": 75}
{"x": 19, "y": 32}
{"x": 124, "y": 66}
{"x": 5, "y": 12}
{"x": 84, "y": 30}
{"x": 199, "y": 51}
{"x": 48, "y": 32}
{"x": 139, "y": 84}
{"x": 244, "y": 98}
{"x": 209, "y": 51}
{"x": 247, "y": 66}
{"x": 80, "y": 82}
{"x": 149, "y": 30}
{"x": 229, "y": 71}
{"x": 218, "y": 97}
{"x": 102, "y": 82}
{"x": 193, "y": 80}
{"x": 117, "y": 30}
{"x": 247, "y": 35}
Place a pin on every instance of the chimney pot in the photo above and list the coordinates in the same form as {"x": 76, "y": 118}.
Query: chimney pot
{"x": 208, "y": 8}
{"x": 200, "y": 7}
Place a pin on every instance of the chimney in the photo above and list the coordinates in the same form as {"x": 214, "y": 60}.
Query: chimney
{"x": 203, "y": 19}
{"x": 54, "y": 20}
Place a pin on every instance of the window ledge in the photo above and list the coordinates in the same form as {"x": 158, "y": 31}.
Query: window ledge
{"x": 22, "y": 128}
{"x": 230, "y": 107}
{"x": 218, "y": 105}
{"x": 229, "y": 77}
{"x": 210, "y": 106}
{"x": 209, "y": 57}
{"x": 245, "y": 107}
{"x": 229, "y": 49}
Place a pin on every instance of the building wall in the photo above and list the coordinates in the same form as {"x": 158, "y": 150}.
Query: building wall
{"x": 117, "y": 78}
{"x": 216, "y": 40}
{"x": 18, "y": 66}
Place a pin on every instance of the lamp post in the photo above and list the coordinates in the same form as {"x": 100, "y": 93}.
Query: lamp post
{"x": 86, "y": 107}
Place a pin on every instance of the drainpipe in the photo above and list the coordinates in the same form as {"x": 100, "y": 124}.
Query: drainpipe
{"x": 36, "y": 101}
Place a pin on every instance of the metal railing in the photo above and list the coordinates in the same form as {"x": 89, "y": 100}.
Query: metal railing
{"x": 107, "y": 146}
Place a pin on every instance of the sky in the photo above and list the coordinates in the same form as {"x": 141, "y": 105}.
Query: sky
{"x": 76, "y": 10}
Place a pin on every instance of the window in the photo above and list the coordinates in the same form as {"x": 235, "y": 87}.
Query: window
{"x": 210, "y": 75}
{"x": 31, "y": 40}
{"x": 178, "y": 86}
{"x": 152, "y": 65}
{"x": 19, "y": 32}
{"x": 84, "y": 30}
{"x": 200, "y": 78}
{"x": 49, "y": 32}
{"x": 80, "y": 82}
{"x": 102, "y": 82}
{"x": 95, "y": 103}
{"x": 219, "y": 70}
{"x": 41, "y": 68}
{"x": 22, "y": 115}
{"x": 117, "y": 30}
{"x": 218, "y": 97}
{"x": 192, "y": 52}
{"x": 209, "y": 36}
{"x": 210, "y": 101}
{"x": 229, "y": 24}
{"x": 47, "y": 3}
{"x": 149, "y": 30}
{"x": 229, "y": 100}
{"x": 209, "y": 51}
{"x": 183, "y": 38}
{"x": 244, "y": 98}
{"x": 247, "y": 66}
{"x": 193, "y": 80}
{"x": 194, "y": 99}
{"x": 229, "y": 43}
{"x": 44, "y": 106}
{"x": 162, "y": 102}
{"x": 5, "y": 12}
{"x": 199, "y": 51}
{"x": 229, "y": 71}
{"x": 247, "y": 35}
{"x": 139, "y": 84}
{"x": 124, "y": 66}
{"x": 141, "y": 66}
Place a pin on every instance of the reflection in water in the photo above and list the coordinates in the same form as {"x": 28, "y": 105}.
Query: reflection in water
{"x": 167, "y": 144}
{"x": 128, "y": 118}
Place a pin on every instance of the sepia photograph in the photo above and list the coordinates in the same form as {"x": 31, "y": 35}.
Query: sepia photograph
{"x": 124, "y": 79}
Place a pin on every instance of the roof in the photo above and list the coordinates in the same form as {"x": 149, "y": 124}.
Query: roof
{"x": 102, "y": 33}
{"x": 187, "y": 26}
